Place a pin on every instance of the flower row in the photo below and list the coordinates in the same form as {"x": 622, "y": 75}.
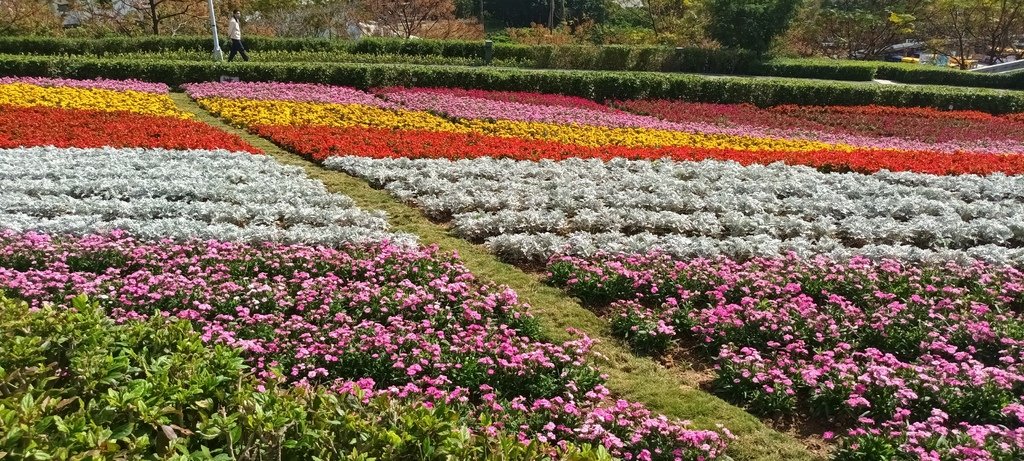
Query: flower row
{"x": 90, "y": 98}
{"x": 407, "y": 323}
{"x": 476, "y": 105}
{"x": 274, "y": 91}
{"x": 250, "y": 113}
{"x": 919, "y": 124}
{"x": 691, "y": 208}
{"x": 320, "y": 143}
{"x": 47, "y": 126}
{"x": 157, "y": 194}
{"x": 113, "y": 85}
{"x": 922, "y": 360}
{"x": 521, "y": 97}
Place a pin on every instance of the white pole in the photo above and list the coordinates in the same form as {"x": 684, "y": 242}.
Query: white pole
{"x": 218, "y": 55}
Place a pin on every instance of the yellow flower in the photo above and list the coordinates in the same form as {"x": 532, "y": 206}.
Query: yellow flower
{"x": 249, "y": 113}
{"x": 26, "y": 95}
{"x": 587, "y": 135}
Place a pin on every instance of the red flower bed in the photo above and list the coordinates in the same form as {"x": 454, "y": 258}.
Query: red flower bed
{"x": 319, "y": 143}
{"x": 923, "y": 124}
{"x": 522, "y": 97}
{"x": 43, "y": 126}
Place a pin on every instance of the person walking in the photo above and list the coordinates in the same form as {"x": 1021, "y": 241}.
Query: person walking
{"x": 235, "y": 34}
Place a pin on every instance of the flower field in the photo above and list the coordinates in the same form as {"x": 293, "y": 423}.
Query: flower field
{"x": 153, "y": 215}
{"x": 924, "y": 360}
{"x": 321, "y": 121}
{"x": 858, "y": 266}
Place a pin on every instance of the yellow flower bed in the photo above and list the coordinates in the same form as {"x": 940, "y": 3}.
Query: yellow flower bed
{"x": 247, "y": 113}
{"x": 25, "y": 95}
{"x": 586, "y": 135}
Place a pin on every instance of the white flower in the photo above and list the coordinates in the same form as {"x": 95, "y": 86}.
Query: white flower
{"x": 157, "y": 193}
{"x": 531, "y": 210}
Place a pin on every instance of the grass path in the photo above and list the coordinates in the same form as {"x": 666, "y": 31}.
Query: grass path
{"x": 630, "y": 377}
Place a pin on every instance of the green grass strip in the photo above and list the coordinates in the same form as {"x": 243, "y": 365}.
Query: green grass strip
{"x": 630, "y": 377}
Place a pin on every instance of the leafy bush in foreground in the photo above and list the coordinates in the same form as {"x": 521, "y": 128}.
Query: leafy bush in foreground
{"x": 75, "y": 384}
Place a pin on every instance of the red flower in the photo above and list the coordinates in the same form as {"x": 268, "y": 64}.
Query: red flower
{"x": 319, "y": 143}
{"x": 44, "y": 126}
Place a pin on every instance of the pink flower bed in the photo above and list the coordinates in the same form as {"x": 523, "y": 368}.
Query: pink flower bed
{"x": 301, "y": 92}
{"x": 116, "y": 85}
{"x": 409, "y": 323}
{"x": 522, "y": 97}
{"x": 927, "y": 361}
{"x": 455, "y": 104}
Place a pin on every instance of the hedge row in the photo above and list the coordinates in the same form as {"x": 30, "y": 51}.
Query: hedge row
{"x": 595, "y": 85}
{"x": 926, "y": 75}
{"x": 573, "y": 57}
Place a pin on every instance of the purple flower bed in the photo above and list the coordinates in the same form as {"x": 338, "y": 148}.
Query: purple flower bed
{"x": 116, "y": 85}
{"x": 409, "y": 323}
{"x": 915, "y": 362}
{"x": 273, "y": 91}
{"x": 458, "y": 106}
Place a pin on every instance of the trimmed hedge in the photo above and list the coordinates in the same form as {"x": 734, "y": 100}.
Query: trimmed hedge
{"x": 926, "y": 75}
{"x": 595, "y": 85}
{"x": 573, "y": 57}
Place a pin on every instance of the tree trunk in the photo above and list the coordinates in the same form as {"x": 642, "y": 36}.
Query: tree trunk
{"x": 650, "y": 14}
{"x": 154, "y": 17}
{"x": 551, "y": 16}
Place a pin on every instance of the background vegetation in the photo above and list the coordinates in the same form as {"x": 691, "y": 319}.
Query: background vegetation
{"x": 987, "y": 30}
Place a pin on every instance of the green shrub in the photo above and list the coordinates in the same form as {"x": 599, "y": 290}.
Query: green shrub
{"x": 74, "y": 385}
{"x": 927, "y": 75}
{"x": 749, "y": 24}
{"x": 594, "y": 85}
{"x": 570, "y": 57}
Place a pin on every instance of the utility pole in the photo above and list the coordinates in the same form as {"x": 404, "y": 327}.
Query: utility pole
{"x": 218, "y": 55}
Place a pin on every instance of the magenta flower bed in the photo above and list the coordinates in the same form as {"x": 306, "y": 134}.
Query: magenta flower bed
{"x": 523, "y": 97}
{"x": 301, "y": 92}
{"x": 410, "y": 323}
{"x": 116, "y": 85}
{"x": 924, "y": 361}
{"x": 455, "y": 104}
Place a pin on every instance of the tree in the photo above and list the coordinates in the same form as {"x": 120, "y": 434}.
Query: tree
{"x": 866, "y": 29}
{"x": 1003, "y": 21}
{"x": 952, "y": 24}
{"x": 183, "y": 13}
{"x": 749, "y": 24}
{"x": 410, "y": 17}
{"x": 27, "y": 17}
{"x": 523, "y": 13}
